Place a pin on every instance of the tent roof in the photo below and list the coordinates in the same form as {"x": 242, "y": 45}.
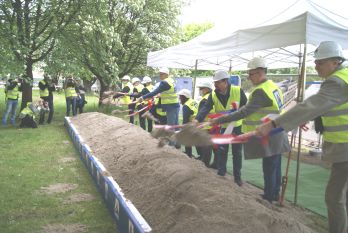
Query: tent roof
{"x": 276, "y": 40}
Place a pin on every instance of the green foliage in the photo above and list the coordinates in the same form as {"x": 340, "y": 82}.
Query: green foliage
{"x": 193, "y": 30}
{"x": 112, "y": 38}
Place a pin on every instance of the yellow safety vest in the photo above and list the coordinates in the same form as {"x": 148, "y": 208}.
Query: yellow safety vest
{"x": 192, "y": 105}
{"x": 205, "y": 97}
{"x": 12, "y": 94}
{"x": 126, "y": 99}
{"x": 139, "y": 88}
{"x": 44, "y": 93}
{"x": 27, "y": 111}
{"x": 70, "y": 92}
{"x": 159, "y": 110}
{"x": 149, "y": 87}
{"x": 274, "y": 93}
{"x": 169, "y": 96}
{"x": 335, "y": 121}
{"x": 234, "y": 97}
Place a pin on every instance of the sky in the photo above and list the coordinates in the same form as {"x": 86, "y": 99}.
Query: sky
{"x": 246, "y": 13}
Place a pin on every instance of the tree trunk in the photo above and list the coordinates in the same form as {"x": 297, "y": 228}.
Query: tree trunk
{"x": 103, "y": 88}
{"x": 27, "y": 88}
{"x": 88, "y": 84}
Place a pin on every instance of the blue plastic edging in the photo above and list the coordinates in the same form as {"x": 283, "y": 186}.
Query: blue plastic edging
{"x": 127, "y": 217}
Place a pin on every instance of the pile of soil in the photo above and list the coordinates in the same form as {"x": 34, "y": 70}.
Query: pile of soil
{"x": 175, "y": 193}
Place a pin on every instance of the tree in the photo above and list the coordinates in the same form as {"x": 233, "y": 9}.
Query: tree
{"x": 31, "y": 28}
{"x": 114, "y": 37}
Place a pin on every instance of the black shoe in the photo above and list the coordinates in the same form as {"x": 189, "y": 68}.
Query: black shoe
{"x": 239, "y": 182}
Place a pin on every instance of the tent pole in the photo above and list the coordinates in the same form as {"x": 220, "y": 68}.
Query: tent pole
{"x": 194, "y": 79}
{"x": 300, "y": 98}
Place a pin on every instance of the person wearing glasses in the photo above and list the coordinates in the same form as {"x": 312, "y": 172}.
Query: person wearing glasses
{"x": 265, "y": 98}
{"x": 331, "y": 103}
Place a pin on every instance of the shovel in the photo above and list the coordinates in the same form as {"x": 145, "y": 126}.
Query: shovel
{"x": 189, "y": 135}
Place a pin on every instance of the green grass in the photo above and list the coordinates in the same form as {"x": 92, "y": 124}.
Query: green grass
{"x": 31, "y": 159}
{"x": 312, "y": 182}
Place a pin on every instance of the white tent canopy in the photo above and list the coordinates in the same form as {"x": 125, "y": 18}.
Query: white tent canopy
{"x": 280, "y": 40}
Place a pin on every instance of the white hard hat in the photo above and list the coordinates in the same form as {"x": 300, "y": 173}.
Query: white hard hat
{"x": 134, "y": 80}
{"x": 220, "y": 74}
{"x": 146, "y": 79}
{"x": 164, "y": 70}
{"x": 126, "y": 77}
{"x": 206, "y": 83}
{"x": 185, "y": 92}
{"x": 328, "y": 49}
{"x": 257, "y": 62}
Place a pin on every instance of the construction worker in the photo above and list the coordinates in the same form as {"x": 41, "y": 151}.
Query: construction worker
{"x": 12, "y": 90}
{"x": 70, "y": 95}
{"x": 127, "y": 88}
{"x": 223, "y": 100}
{"x": 169, "y": 99}
{"x": 205, "y": 89}
{"x": 189, "y": 111}
{"x": 266, "y": 98}
{"x": 46, "y": 88}
{"x": 137, "y": 88}
{"x": 331, "y": 103}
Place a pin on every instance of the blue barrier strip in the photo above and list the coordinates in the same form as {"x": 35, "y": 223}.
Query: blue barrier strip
{"x": 123, "y": 211}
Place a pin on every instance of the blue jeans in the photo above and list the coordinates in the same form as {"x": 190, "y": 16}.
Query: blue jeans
{"x": 272, "y": 177}
{"x": 172, "y": 114}
{"x": 71, "y": 101}
{"x": 11, "y": 106}
{"x": 236, "y": 156}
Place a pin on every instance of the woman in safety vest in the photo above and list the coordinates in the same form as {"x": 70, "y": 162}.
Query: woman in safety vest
{"x": 205, "y": 152}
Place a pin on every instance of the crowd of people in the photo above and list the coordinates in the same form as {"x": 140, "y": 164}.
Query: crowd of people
{"x": 227, "y": 105}
{"x": 33, "y": 114}
{"x": 225, "y": 109}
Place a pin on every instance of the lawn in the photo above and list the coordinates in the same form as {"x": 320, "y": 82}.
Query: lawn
{"x": 31, "y": 159}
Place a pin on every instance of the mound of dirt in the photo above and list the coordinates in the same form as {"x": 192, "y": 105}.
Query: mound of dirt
{"x": 173, "y": 192}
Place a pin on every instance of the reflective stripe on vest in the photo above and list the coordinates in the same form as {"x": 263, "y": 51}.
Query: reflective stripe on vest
{"x": 192, "y": 105}
{"x": 70, "y": 92}
{"x": 234, "y": 97}
{"x": 126, "y": 99}
{"x": 169, "y": 96}
{"x": 335, "y": 121}
{"x": 44, "y": 93}
{"x": 13, "y": 94}
{"x": 274, "y": 93}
